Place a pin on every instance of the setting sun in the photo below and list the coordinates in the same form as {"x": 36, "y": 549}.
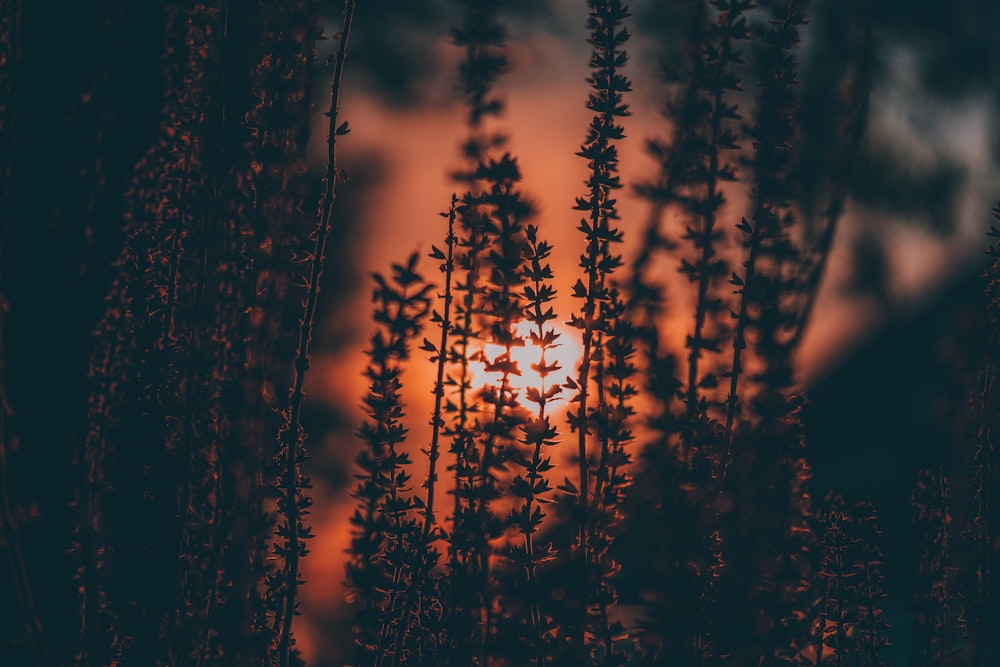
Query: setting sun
{"x": 566, "y": 352}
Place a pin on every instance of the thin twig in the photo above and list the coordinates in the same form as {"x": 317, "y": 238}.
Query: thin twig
{"x": 293, "y": 434}
{"x": 437, "y": 422}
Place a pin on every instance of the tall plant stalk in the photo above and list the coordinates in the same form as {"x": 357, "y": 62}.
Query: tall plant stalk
{"x": 294, "y": 502}
{"x": 980, "y": 605}
{"x": 421, "y": 577}
{"x": 721, "y": 57}
{"x": 933, "y": 613}
{"x": 539, "y": 434}
{"x": 463, "y": 544}
{"x": 491, "y": 217}
{"x": 388, "y": 542}
{"x": 440, "y": 359}
{"x": 503, "y": 307}
{"x": 597, "y": 317}
{"x": 872, "y": 629}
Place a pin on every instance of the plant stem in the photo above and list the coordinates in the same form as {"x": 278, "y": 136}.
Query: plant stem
{"x": 437, "y": 422}
{"x": 293, "y": 437}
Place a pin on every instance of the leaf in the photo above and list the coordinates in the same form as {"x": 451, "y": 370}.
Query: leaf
{"x": 568, "y": 487}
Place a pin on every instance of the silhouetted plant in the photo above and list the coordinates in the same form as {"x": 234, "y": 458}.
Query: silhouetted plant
{"x": 766, "y": 283}
{"x": 497, "y": 212}
{"x": 503, "y": 307}
{"x": 850, "y": 628}
{"x": 293, "y": 501}
{"x": 596, "y": 417}
{"x": 149, "y": 372}
{"x": 178, "y": 444}
{"x": 694, "y": 166}
{"x": 278, "y": 185}
{"x": 934, "y": 628}
{"x": 422, "y": 606}
{"x": 684, "y": 111}
{"x": 440, "y": 357}
{"x": 872, "y": 628}
{"x": 532, "y": 487}
{"x": 387, "y": 542}
{"x": 464, "y": 411}
{"x": 485, "y": 60}
{"x": 482, "y": 37}
{"x": 765, "y": 441}
{"x": 193, "y": 516}
{"x": 979, "y": 603}
{"x": 737, "y": 579}
{"x": 836, "y": 643}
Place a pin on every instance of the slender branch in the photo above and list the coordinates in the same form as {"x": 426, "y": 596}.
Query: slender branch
{"x": 293, "y": 433}
{"x": 538, "y": 433}
{"x": 437, "y": 422}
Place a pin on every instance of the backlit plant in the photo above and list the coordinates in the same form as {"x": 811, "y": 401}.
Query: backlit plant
{"x": 647, "y": 503}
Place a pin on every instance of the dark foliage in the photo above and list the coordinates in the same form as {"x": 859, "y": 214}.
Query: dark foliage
{"x": 935, "y": 627}
{"x": 177, "y": 287}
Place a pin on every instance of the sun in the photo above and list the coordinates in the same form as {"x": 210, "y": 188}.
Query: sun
{"x": 566, "y": 352}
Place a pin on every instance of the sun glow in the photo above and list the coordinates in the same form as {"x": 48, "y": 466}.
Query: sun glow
{"x": 566, "y": 352}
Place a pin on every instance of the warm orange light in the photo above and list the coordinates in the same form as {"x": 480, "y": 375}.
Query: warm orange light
{"x": 566, "y": 352}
